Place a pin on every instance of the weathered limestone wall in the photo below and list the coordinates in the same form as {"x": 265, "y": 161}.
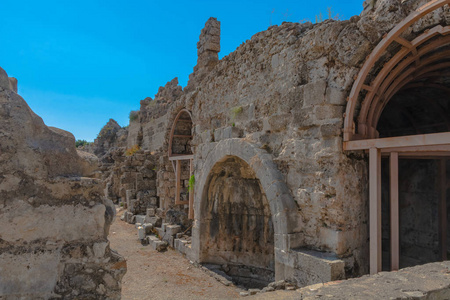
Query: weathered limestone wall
{"x": 279, "y": 99}
{"x": 287, "y": 97}
{"x": 54, "y": 223}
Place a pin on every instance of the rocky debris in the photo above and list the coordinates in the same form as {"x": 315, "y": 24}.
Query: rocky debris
{"x": 161, "y": 246}
{"x": 54, "y": 221}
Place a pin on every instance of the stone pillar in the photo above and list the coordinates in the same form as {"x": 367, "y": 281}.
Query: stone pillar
{"x": 208, "y": 45}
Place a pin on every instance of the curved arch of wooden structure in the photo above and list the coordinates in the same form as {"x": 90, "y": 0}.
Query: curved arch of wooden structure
{"x": 385, "y": 77}
{"x": 423, "y": 58}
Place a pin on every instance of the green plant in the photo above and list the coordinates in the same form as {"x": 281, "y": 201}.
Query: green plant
{"x": 234, "y": 112}
{"x": 81, "y": 143}
{"x": 132, "y": 150}
{"x": 191, "y": 183}
{"x": 134, "y": 115}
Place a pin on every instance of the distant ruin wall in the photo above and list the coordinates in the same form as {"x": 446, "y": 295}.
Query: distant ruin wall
{"x": 54, "y": 223}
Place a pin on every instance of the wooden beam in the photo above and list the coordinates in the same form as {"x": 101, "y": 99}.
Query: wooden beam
{"x": 442, "y": 211}
{"x": 376, "y": 54}
{"x": 177, "y": 182}
{"x": 375, "y": 209}
{"x": 404, "y": 42}
{"x": 418, "y": 149}
{"x": 182, "y": 136}
{"x": 181, "y": 157}
{"x": 395, "y": 236}
{"x": 191, "y": 192}
{"x": 419, "y": 155}
{"x": 403, "y": 141}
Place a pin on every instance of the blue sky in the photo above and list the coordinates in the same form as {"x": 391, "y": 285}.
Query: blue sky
{"x": 80, "y": 63}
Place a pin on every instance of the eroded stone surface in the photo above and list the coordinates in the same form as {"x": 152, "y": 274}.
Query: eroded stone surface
{"x": 54, "y": 223}
{"x": 278, "y": 103}
{"x": 430, "y": 281}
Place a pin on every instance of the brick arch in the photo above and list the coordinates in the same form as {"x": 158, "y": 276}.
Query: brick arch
{"x": 390, "y": 79}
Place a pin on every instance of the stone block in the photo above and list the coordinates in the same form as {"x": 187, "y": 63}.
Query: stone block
{"x": 148, "y": 228}
{"x": 132, "y": 205}
{"x": 152, "y": 239}
{"x": 160, "y": 231}
{"x": 129, "y": 217}
{"x": 130, "y": 194}
{"x": 141, "y": 233}
{"x": 161, "y": 246}
{"x": 151, "y": 212}
{"x": 326, "y": 112}
{"x": 317, "y": 267}
{"x": 314, "y": 93}
{"x": 140, "y": 219}
{"x": 164, "y": 225}
{"x": 180, "y": 245}
{"x": 155, "y": 221}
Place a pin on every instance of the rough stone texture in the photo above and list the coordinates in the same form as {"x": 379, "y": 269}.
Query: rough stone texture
{"x": 277, "y": 103}
{"x": 430, "y": 281}
{"x": 54, "y": 223}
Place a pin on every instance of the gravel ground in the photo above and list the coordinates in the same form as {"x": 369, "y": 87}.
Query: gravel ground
{"x": 165, "y": 275}
{"x": 168, "y": 275}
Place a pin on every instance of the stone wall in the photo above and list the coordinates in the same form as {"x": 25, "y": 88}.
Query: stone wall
{"x": 277, "y": 103}
{"x": 54, "y": 222}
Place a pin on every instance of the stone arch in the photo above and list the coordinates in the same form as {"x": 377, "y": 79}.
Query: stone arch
{"x": 182, "y": 123}
{"x": 412, "y": 60}
{"x": 283, "y": 209}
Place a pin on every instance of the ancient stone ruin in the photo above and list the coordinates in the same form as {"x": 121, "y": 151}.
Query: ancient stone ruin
{"x": 54, "y": 219}
{"x": 260, "y": 165}
{"x": 312, "y": 153}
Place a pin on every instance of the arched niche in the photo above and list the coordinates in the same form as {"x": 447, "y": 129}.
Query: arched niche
{"x": 181, "y": 155}
{"x": 398, "y": 111}
{"x": 237, "y": 228}
{"x": 238, "y": 163}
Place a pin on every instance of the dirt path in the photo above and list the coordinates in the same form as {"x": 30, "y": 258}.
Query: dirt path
{"x": 167, "y": 275}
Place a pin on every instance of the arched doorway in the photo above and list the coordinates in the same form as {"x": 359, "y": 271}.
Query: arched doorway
{"x": 404, "y": 117}
{"x": 237, "y": 224}
{"x": 181, "y": 155}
